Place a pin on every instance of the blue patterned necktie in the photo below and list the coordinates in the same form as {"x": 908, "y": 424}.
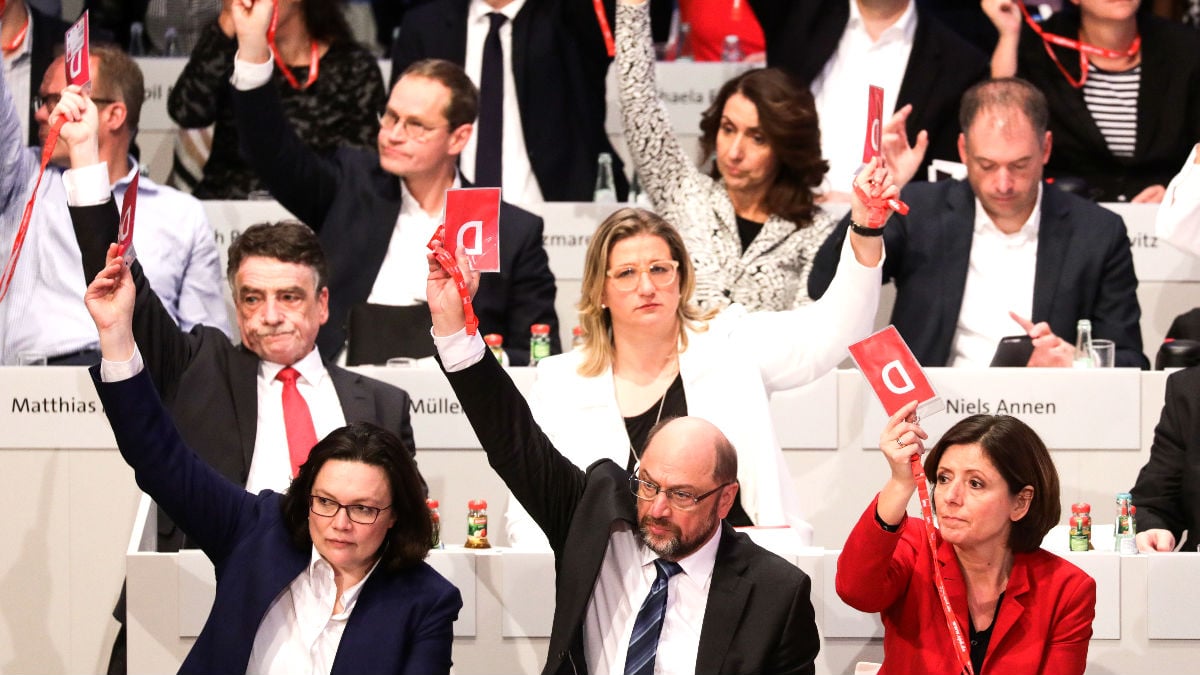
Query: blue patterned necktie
{"x": 643, "y": 643}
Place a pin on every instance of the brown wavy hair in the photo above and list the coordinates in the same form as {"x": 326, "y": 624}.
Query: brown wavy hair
{"x": 594, "y": 317}
{"x": 787, "y": 117}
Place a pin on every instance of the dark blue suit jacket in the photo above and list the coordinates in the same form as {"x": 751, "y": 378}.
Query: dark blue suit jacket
{"x": 353, "y": 204}
{"x": 1084, "y": 269}
{"x": 401, "y": 623}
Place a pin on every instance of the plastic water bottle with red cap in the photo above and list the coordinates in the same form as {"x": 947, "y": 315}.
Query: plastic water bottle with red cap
{"x": 435, "y": 519}
{"x": 477, "y": 524}
{"x": 539, "y": 342}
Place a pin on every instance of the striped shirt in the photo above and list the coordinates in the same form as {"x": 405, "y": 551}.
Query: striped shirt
{"x": 1111, "y": 98}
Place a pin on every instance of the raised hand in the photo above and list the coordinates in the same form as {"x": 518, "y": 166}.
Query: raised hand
{"x": 80, "y": 130}
{"x": 902, "y": 157}
{"x": 1049, "y": 350}
{"x": 1004, "y": 15}
{"x": 441, "y": 290}
{"x": 109, "y": 300}
{"x": 901, "y": 438}
{"x": 251, "y": 19}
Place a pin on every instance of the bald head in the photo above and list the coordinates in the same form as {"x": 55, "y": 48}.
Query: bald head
{"x": 693, "y": 443}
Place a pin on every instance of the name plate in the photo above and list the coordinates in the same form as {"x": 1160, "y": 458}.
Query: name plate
{"x": 1172, "y": 596}
{"x": 687, "y": 89}
{"x": 1154, "y": 259}
{"x": 51, "y": 407}
{"x": 1070, "y": 409}
{"x": 438, "y": 420}
{"x": 569, "y": 228}
{"x": 806, "y": 418}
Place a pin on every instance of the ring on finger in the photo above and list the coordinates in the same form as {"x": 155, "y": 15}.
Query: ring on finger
{"x": 900, "y": 443}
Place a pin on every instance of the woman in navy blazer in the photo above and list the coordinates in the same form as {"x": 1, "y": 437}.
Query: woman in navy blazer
{"x": 348, "y": 538}
{"x": 995, "y": 491}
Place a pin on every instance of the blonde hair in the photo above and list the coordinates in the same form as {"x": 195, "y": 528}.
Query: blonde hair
{"x": 594, "y": 318}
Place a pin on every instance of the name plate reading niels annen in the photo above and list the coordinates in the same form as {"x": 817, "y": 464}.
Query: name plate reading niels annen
{"x": 1070, "y": 409}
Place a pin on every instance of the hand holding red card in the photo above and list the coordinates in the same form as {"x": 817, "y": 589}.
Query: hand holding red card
{"x": 894, "y": 374}
{"x": 78, "y": 57}
{"x": 473, "y": 224}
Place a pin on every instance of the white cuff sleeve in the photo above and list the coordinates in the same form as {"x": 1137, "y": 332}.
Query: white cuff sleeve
{"x": 115, "y": 371}
{"x": 459, "y": 351}
{"x": 87, "y": 186}
{"x": 248, "y": 75}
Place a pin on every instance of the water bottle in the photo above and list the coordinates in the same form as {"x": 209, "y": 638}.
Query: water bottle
{"x": 171, "y": 42}
{"x": 435, "y": 519}
{"x": 1083, "y": 344}
{"x": 606, "y": 188}
{"x": 576, "y": 337}
{"x": 1125, "y": 529}
{"x": 683, "y": 43}
{"x": 731, "y": 50}
{"x": 136, "y": 45}
{"x": 539, "y": 342}
{"x": 495, "y": 343}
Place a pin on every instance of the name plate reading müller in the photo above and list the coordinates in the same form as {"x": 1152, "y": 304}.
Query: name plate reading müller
{"x": 1095, "y": 409}
{"x": 54, "y": 407}
{"x": 438, "y": 421}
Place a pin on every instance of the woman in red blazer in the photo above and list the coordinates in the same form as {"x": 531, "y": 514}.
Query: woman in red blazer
{"x": 995, "y": 491}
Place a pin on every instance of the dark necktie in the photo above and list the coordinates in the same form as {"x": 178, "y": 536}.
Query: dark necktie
{"x": 490, "y": 144}
{"x": 643, "y": 642}
{"x": 297, "y": 420}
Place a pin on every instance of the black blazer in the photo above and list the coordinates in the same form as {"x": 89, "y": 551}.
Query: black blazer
{"x": 209, "y": 385}
{"x": 760, "y": 618}
{"x": 353, "y": 204}
{"x": 1167, "y": 493}
{"x": 1168, "y": 108}
{"x": 802, "y": 35}
{"x": 559, "y": 63}
{"x": 1084, "y": 269}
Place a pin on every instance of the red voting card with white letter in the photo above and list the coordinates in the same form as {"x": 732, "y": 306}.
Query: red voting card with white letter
{"x": 473, "y": 223}
{"x": 128, "y": 209}
{"x": 894, "y": 374}
{"x": 78, "y": 63}
{"x": 873, "y": 144}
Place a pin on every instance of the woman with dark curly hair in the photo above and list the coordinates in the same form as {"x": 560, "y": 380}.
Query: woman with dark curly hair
{"x": 330, "y": 86}
{"x": 1016, "y": 607}
{"x": 750, "y": 223}
{"x": 327, "y": 578}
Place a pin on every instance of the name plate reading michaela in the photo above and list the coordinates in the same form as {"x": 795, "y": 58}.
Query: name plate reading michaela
{"x": 1154, "y": 259}
{"x": 55, "y": 407}
{"x": 806, "y": 418}
{"x": 1096, "y": 409}
{"x": 438, "y": 421}
{"x": 686, "y": 88}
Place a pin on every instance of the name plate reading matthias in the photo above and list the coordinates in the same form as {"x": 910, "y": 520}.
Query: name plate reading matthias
{"x": 1154, "y": 259}
{"x": 438, "y": 420}
{"x": 51, "y": 407}
{"x": 806, "y": 418}
{"x": 1098, "y": 409}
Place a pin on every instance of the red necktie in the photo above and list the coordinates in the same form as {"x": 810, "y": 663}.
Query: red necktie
{"x": 301, "y": 435}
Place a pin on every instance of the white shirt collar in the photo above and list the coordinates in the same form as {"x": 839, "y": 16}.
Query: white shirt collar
{"x": 699, "y": 564}
{"x": 479, "y": 10}
{"x": 1028, "y": 232}
{"x": 144, "y": 183}
{"x": 310, "y": 367}
{"x": 409, "y": 206}
{"x": 903, "y": 29}
{"x": 319, "y": 568}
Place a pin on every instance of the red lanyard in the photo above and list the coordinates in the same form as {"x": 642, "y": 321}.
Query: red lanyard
{"x": 19, "y": 242}
{"x": 1082, "y": 47}
{"x": 20, "y": 38}
{"x": 451, "y": 266}
{"x": 956, "y": 632}
{"x": 605, "y": 29}
{"x": 314, "y": 60}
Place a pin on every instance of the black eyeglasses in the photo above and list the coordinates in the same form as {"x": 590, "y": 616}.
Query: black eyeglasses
{"x": 363, "y": 515}
{"x": 678, "y": 499}
{"x": 50, "y": 100}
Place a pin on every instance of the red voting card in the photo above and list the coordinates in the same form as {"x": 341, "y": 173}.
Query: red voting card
{"x": 473, "y": 224}
{"x": 874, "y": 141}
{"x": 79, "y": 69}
{"x": 894, "y": 374}
{"x": 125, "y": 235}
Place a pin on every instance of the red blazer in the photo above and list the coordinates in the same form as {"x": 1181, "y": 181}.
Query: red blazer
{"x": 1043, "y": 625}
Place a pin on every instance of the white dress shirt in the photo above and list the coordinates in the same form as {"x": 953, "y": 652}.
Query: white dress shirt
{"x": 999, "y": 280}
{"x": 841, "y": 92}
{"x": 1179, "y": 214}
{"x": 44, "y": 311}
{"x": 520, "y": 185}
{"x": 300, "y": 633}
{"x": 271, "y": 466}
{"x": 625, "y": 576}
{"x": 402, "y": 276}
